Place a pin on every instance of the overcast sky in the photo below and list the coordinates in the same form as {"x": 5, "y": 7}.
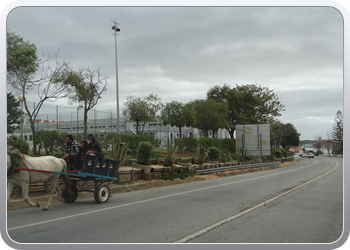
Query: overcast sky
{"x": 179, "y": 53}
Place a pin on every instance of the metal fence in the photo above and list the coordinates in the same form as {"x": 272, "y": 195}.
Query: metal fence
{"x": 70, "y": 119}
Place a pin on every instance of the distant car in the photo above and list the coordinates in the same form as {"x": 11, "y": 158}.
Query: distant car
{"x": 305, "y": 156}
{"x": 310, "y": 155}
{"x": 301, "y": 154}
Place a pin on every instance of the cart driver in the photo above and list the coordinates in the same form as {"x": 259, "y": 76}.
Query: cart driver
{"x": 71, "y": 153}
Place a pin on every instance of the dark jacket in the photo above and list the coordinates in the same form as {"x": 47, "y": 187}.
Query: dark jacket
{"x": 83, "y": 150}
{"x": 95, "y": 146}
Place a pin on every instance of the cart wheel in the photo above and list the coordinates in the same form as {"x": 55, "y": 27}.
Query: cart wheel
{"x": 67, "y": 198}
{"x": 101, "y": 193}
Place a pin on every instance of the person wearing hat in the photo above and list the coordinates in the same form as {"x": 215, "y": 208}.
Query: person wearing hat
{"x": 13, "y": 141}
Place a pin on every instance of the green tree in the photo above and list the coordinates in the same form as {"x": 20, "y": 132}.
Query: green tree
{"x": 13, "y": 114}
{"x": 247, "y": 104}
{"x": 337, "y": 132}
{"x": 23, "y": 75}
{"x": 178, "y": 114}
{"x": 84, "y": 87}
{"x": 210, "y": 115}
{"x": 142, "y": 110}
{"x": 22, "y": 60}
{"x": 50, "y": 140}
{"x": 278, "y": 132}
{"x": 293, "y": 138}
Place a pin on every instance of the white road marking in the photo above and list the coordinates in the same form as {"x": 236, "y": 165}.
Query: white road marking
{"x": 162, "y": 197}
{"x": 203, "y": 231}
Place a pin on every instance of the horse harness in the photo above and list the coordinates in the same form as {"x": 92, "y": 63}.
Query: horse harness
{"x": 14, "y": 164}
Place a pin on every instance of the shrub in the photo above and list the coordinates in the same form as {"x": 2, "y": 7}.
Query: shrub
{"x": 201, "y": 155}
{"x": 187, "y": 143}
{"x": 169, "y": 159}
{"x": 119, "y": 150}
{"x": 143, "y": 153}
{"x": 228, "y": 145}
{"x": 132, "y": 140}
{"x": 276, "y": 153}
{"x": 213, "y": 153}
{"x": 206, "y": 142}
{"x": 21, "y": 144}
{"x": 242, "y": 155}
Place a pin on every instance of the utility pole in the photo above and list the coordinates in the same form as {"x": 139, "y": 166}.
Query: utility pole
{"x": 116, "y": 29}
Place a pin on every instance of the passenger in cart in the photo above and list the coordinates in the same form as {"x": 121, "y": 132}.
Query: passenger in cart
{"x": 94, "y": 147}
{"x": 83, "y": 150}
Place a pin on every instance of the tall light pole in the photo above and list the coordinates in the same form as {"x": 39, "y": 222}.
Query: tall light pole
{"x": 116, "y": 29}
{"x": 21, "y": 99}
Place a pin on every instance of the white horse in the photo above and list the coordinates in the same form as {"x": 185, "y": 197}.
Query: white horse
{"x": 23, "y": 178}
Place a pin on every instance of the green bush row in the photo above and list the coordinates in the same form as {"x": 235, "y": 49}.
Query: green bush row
{"x": 132, "y": 140}
{"x": 191, "y": 144}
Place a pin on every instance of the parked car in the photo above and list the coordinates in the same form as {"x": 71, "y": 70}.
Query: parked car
{"x": 301, "y": 154}
{"x": 305, "y": 156}
{"x": 310, "y": 155}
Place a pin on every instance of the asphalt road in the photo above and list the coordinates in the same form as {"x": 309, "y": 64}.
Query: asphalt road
{"x": 248, "y": 208}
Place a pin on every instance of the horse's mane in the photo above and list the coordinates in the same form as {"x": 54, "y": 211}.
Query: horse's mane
{"x": 13, "y": 150}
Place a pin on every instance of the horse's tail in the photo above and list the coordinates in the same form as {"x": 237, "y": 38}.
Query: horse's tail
{"x": 64, "y": 163}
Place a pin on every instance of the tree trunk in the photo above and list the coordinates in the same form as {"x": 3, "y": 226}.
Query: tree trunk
{"x": 137, "y": 127}
{"x": 85, "y": 123}
{"x": 231, "y": 131}
{"x": 143, "y": 127}
{"x": 180, "y": 131}
{"x": 32, "y": 126}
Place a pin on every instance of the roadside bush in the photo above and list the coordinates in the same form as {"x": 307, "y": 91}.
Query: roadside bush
{"x": 143, "y": 153}
{"x": 21, "y": 144}
{"x": 213, "y": 153}
{"x": 187, "y": 144}
{"x": 276, "y": 153}
{"x": 206, "y": 142}
{"x": 228, "y": 145}
{"x": 284, "y": 152}
{"x": 234, "y": 157}
{"x": 131, "y": 139}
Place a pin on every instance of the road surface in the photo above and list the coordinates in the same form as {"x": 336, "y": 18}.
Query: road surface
{"x": 302, "y": 203}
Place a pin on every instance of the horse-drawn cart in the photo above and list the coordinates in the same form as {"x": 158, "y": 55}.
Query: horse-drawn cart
{"x": 92, "y": 169}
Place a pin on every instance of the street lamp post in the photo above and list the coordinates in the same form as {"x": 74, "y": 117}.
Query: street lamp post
{"x": 21, "y": 99}
{"x": 116, "y": 29}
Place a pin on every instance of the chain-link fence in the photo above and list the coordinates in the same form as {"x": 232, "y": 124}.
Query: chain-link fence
{"x": 70, "y": 120}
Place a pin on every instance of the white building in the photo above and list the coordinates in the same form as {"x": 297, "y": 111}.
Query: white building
{"x": 105, "y": 126}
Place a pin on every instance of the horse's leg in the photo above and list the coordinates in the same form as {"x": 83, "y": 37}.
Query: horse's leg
{"x": 58, "y": 189}
{"x": 10, "y": 187}
{"x": 25, "y": 191}
{"x": 52, "y": 191}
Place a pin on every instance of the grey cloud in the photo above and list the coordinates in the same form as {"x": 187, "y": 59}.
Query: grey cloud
{"x": 180, "y": 52}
